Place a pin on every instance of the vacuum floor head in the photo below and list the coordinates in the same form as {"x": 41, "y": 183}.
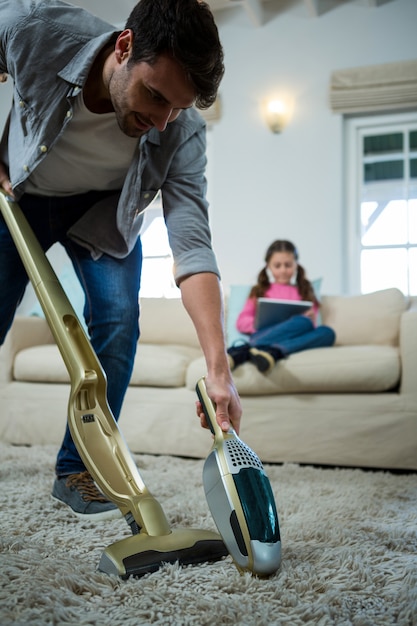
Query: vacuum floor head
{"x": 240, "y": 498}
{"x": 143, "y": 554}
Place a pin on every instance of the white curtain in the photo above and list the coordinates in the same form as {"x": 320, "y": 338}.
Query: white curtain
{"x": 374, "y": 88}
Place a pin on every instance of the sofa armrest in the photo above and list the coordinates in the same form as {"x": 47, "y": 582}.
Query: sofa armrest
{"x": 408, "y": 348}
{"x": 24, "y": 333}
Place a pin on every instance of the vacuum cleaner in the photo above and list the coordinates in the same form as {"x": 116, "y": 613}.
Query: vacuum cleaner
{"x": 240, "y": 498}
{"x": 95, "y": 432}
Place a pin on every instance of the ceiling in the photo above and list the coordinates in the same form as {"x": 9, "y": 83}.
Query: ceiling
{"x": 116, "y": 13}
{"x": 256, "y": 8}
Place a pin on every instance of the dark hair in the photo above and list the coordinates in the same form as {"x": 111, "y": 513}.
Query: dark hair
{"x": 184, "y": 29}
{"x": 305, "y": 288}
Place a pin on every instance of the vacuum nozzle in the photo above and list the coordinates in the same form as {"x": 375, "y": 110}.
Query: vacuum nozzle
{"x": 240, "y": 498}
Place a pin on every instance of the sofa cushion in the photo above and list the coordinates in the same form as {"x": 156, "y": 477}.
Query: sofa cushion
{"x": 235, "y": 302}
{"x": 162, "y": 366}
{"x": 40, "y": 364}
{"x": 155, "y": 365}
{"x": 165, "y": 321}
{"x": 345, "y": 369}
{"x": 372, "y": 318}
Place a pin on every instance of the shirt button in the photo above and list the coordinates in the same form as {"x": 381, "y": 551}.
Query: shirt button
{"x": 69, "y": 113}
{"x": 43, "y": 149}
{"x": 146, "y": 195}
{"x": 26, "y": 168}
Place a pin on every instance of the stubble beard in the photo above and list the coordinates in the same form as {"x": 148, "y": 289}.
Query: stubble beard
{"x": 117, "y": 88}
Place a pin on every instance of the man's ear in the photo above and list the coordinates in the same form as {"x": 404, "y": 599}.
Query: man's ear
{"x": 123, "y": 46}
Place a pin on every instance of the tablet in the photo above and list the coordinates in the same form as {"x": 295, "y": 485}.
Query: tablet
{"x": 271, "y": 311}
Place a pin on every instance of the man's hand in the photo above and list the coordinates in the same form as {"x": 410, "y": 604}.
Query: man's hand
{"x": 227, "y": 403}
{"x": 5, "y": 183}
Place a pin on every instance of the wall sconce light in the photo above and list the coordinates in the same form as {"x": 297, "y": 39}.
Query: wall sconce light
{"x": 276, "y": 115}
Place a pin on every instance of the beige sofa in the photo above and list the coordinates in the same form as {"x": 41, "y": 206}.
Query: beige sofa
{"x": 354, "y": 404}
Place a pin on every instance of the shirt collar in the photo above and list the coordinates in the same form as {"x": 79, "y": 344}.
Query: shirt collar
{"x": 76, "y": 71}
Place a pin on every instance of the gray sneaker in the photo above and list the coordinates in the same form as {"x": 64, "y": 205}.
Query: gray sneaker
{"x": 80, "y": 493}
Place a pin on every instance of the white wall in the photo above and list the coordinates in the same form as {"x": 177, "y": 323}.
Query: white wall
{"x": 265, "y": 186}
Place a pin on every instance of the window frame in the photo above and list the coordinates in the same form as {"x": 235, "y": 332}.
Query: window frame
{"x": 354, "y": 128}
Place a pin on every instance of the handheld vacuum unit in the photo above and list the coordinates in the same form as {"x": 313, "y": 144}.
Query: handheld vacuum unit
{"x": 96, "y": 434}
{"x": 240, "y": 498}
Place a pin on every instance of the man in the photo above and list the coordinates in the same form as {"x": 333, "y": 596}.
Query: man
{"x": 101, "y": 121}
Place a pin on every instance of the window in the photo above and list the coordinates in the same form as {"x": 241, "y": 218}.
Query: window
{"x": 382, "y": 203}
{"x": 157, "y": 276}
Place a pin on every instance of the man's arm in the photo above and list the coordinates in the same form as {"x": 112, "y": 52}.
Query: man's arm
{"x": 202, "y": 298}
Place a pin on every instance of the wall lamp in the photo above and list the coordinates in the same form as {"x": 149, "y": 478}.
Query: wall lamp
{"x": 276, "y": 115}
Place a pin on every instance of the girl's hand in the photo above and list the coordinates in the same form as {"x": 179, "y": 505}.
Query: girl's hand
{"x": 311, "y": 314}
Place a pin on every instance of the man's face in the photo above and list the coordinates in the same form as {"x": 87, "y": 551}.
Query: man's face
{"x": 146, "y": 96}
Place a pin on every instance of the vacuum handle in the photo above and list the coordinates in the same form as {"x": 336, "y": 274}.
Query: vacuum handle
{"x": 94, "y": 430}
{"x": 210, "y": 410}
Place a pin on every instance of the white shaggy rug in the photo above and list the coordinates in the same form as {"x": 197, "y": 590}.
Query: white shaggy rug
{"x": 349, "y": 552}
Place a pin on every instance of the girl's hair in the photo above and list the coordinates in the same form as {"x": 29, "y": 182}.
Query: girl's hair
{"x": 186, "y": 30}
{"x": 305, "y": 288}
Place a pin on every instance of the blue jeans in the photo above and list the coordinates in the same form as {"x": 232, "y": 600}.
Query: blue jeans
{"x": 111, "y": 288}
{"x": 295, "y": 334}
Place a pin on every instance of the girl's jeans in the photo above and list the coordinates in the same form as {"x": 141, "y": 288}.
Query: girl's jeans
{"x": 295, "y": 334}
{"x": 111, "y": 287}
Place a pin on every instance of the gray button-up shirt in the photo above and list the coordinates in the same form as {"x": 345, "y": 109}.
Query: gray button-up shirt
{"x": 48, "y": 48}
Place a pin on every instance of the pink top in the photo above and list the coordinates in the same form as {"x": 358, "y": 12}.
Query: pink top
{"x": 246, "y": 319}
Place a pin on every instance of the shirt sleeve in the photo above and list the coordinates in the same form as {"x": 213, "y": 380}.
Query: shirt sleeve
{"x": 186, "y": 209}
{"x": 9, "y": 15}
{"x": 245, "y": 322}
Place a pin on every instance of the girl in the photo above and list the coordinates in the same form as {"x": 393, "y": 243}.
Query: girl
{"x": 283, "y": 278}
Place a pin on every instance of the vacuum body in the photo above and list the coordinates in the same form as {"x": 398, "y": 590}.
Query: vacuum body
{"x": 96, "y": 434}
{"x": 240, "y": 498}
